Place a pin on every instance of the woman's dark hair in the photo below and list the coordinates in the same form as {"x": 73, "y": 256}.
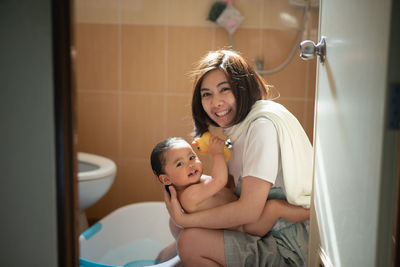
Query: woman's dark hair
{"x": 157, "y": 158}
{"x": 246, "y": 84}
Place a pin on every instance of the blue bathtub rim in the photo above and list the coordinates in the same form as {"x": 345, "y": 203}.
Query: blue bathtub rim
{"x": 94, "y": 229}
{"x": 86, "y": 263}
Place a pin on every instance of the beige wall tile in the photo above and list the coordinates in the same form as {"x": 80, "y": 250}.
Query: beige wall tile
{"x": 309, "y": 117}
{"x": 142, "y": 124}
{"x": 221, "y": 39}
{"x": 96, "y": 11}
{"x": 277, "y": 45}
{"x": 252, "y": 10}
{"x": 179, "y": 116}
{"x": 280, "y": 14}
{"x": 98, "y": 130}
{"x": 97, "y": 57}
{"x": 185, "y": 46}
{"x": 189, "y": 12}
{"x": 311, "y": 79}
{"x": 143, "y": 58}
{"x": 290, "y": 82}
{"x": 313, "y": 25}
{"x": 144, "y": 12}
{"x": 248, "y": 42}
{"x": 140, "y": 184}
{"x": 111, "y": 200}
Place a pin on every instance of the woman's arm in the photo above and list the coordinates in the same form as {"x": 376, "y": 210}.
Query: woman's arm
{"x": 175, "y": 229}
{"x": 246, "y": 209}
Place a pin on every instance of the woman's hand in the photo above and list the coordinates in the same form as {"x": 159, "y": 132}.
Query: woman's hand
{"x": 174, "y": 207}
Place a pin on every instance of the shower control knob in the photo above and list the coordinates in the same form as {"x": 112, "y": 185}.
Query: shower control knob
{"x": 308, "y": 49}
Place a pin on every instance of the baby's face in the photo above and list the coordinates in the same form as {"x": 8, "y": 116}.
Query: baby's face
{"x": 182, "y": 166}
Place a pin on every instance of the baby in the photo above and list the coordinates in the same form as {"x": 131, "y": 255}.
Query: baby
{"x": 175, "y": 163}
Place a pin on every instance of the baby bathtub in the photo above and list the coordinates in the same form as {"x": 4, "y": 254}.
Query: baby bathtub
{"x": 129, "y": 236}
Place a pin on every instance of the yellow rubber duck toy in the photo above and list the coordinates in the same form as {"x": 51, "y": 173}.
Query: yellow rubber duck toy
{"x": 201, "y": 145}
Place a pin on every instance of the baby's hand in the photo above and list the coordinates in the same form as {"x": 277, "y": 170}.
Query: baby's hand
{"x": 216, "y": 146}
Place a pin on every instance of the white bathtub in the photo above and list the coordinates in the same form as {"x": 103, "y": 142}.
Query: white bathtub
{"x": 129, "y": 236}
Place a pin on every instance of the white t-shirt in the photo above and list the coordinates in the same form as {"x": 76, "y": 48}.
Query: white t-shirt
{"x": 256, "y": 153}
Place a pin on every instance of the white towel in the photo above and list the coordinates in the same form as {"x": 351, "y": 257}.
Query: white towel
{"x": 296, "y": 149}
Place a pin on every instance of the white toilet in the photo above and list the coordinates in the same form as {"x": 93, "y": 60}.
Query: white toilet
{"x": 95, "y": 176}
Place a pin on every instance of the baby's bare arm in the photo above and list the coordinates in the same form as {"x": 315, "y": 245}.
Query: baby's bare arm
{"x": 195, "y": 195}
{"x": 220, "y": 169}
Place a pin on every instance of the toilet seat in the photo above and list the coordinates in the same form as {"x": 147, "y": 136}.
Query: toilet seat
{"x": 106, "y": 167}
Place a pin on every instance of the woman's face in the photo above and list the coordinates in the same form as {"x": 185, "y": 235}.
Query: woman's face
{"x": 217, "y": 98}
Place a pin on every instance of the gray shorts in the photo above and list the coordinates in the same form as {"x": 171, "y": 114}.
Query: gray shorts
{"x": 287, "y": 246}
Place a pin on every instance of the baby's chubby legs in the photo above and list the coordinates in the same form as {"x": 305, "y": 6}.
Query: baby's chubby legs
{"x": 201, "y": 247}
{"x": 197, "y": 247}
{"x": 273, "y": 210}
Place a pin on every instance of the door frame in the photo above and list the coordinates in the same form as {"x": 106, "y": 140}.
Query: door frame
{"x": 388, "y": 248}
{"x": 64, "y": 103}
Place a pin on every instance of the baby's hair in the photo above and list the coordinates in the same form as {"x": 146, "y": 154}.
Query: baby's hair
{"x": 157, "y": 158}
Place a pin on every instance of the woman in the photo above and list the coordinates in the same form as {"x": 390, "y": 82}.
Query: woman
{"x": 271, "y": 154}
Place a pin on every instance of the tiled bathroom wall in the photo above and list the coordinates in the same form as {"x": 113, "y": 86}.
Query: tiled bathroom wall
{"x": 131, "y": 72}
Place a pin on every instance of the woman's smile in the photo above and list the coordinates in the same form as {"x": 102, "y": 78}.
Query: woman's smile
{"x": 217, "y": 98}
{"x": 223, "y": 118}
{"x": 223, "y": 113}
